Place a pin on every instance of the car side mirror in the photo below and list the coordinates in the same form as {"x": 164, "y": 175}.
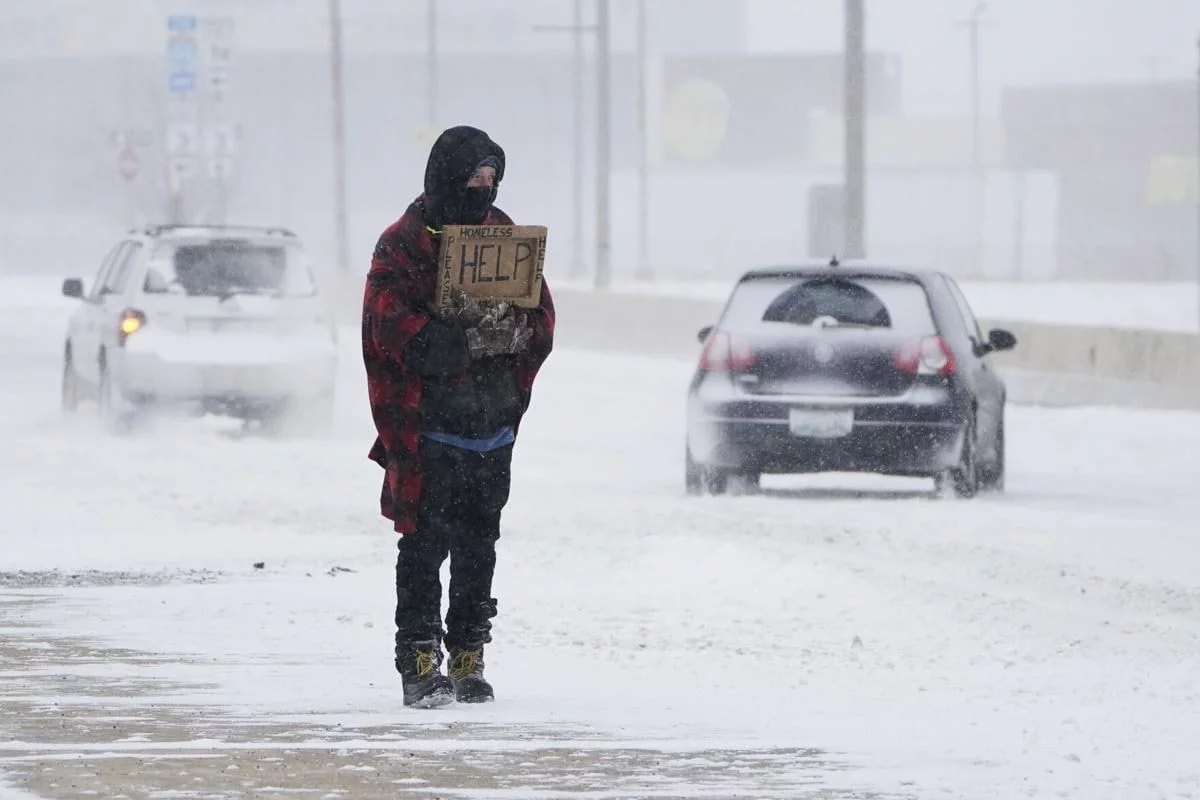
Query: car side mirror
{"x": 72, "y": 287}
{"x": 999, "y": 339}
{"x": 704, "y": 333}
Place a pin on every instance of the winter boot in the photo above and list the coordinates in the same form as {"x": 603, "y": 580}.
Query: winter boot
{"x": 419, "y": 665}
{"x": 466, "y": 673}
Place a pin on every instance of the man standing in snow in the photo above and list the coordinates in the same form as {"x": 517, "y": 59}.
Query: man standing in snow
{"x": 448, "y": 389}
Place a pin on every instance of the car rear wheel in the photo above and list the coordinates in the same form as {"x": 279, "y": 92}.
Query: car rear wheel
{"x": 112, "y": 409}
{"x": 693, "y": 476}
{"x": 70, "y": 384}
{"x": 991, "y": 476}
{"x": 700, "y": 479}
{"x": 742, "y": 483}
{"x": 962, "y": 480}
{"x": 105, "y": 393}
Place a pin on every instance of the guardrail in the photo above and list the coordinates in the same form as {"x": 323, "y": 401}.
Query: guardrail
{"x": 1051, "y": 365}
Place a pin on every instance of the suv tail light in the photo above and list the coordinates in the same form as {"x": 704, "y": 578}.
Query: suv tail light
{"x": 929, "y": 356}
{"x": 725, "y": 353}
{"x": 131, "y": 322}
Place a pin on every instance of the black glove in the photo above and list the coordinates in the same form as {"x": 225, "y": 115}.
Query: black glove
{"x": 439, "y": 348}
{"x": 467, "y": 311}
{"x": 505, "y": 336}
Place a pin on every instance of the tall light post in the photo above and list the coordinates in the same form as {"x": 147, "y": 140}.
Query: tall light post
{"x": 854, "y": 99}
{"x": 341, "y": 215}
{"x": 978, "y": 167}
{"x": 644, "y": 270}
{"x": 1198, "y": 184}
{"x": 577, "y": 177}
{"x": 431, "y": 66}
{"x": 603, "y": 274}
{"x": 577, "y": 29}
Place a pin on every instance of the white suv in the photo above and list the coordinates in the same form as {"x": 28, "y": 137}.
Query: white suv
{"x": 228, "y": 320}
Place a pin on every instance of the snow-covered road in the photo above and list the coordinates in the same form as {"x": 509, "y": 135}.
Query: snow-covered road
{"x": 838, "y": 633}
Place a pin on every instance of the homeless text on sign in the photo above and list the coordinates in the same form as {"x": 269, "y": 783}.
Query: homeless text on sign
{"x": 492, "y": 262}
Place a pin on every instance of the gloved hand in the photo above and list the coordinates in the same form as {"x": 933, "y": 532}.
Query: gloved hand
{"x": 467, "y": 311}
{"x": 463, "y": 312}
{"x": 508, "y": 334}
{"x": 494, "y": 311}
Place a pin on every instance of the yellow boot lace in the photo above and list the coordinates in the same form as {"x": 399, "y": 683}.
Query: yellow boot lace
{"x": 464, "y": 663}
{"x": 426, "y": 663}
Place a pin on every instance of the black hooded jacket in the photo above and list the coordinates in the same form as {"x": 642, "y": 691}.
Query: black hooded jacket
{"x": 421, "y": 379}
{"x": 453, "y": 159}
{"x": 461, "y": 396}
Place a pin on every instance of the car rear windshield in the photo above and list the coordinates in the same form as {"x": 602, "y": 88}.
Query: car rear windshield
{"x": 222, "y": 268}
{"x": 894, "y": 304}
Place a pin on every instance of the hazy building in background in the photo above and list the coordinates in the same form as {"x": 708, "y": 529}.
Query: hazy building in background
{"x": 1123, "y": 158}
{"x": 1089, "y": 130}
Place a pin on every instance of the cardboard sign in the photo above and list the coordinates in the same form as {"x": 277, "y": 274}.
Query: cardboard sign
{"x": 492, "y": 262}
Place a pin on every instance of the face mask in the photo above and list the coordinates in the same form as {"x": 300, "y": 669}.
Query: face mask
{"x": 468, "y": 207}
{"x": 478, "y": 203}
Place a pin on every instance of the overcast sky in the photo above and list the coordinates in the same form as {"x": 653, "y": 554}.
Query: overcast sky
{"x": 1021, "y": 42}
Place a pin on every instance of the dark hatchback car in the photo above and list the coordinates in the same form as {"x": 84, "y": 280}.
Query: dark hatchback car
{"x": 837, "y": 368}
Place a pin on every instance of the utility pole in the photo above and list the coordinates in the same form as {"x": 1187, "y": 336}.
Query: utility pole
{"x": 603, "y": 275}
{"x": 431, "y": 65}
{"x": 644, "y": 270}
{"x": 854, "y": 100}
{"x": 978, "y": 167}
{"x": 341, "y": 215}
{"x": 577, "y": 176}
{"x": 1198, "y": 184}
{"x": 577, "y": 29}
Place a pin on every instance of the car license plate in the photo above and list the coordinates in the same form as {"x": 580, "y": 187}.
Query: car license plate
{"x": 821, "y": 423}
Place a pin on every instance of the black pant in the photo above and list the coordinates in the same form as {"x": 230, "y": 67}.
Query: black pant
{"x": 462, "y": 495}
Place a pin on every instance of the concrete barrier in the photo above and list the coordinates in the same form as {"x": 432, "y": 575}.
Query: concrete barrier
{"x": 1051, "y": 365}
{"x": 1156, "y": 357}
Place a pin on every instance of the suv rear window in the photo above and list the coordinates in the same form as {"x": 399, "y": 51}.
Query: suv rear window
{"x": 220, "y": 268}
{"x": 895, "y": 304}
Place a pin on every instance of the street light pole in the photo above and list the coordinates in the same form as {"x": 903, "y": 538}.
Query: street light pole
{"x": 342, "y": 233}
{"x": 1198, "y": 184}
{"x": 603, "y": 275}
{"x": 644, "y": 270}
{"x": 577, "y": 29}
{"x": 977, "y": 161}
{"x": 577, "y": 176}
{"x": 854, "y": 115}
{"x": 431, "y": 65}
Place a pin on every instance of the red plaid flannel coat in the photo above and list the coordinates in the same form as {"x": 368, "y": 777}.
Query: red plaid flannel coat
{"x": 397, "y": 298}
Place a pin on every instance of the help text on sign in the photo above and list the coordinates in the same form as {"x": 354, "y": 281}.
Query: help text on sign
{"x": 492, "y": 262}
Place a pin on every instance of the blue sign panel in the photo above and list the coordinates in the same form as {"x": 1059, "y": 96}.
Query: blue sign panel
{"x": 181, "y": 22}
{"x": 182, "y": 81}
{"x": 182, "y": 50}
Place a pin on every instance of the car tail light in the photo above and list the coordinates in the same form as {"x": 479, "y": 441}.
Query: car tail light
{"x": 725, "y": 353}
{"x": 929, "y": 356}
{"x": 131, "y": 322}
